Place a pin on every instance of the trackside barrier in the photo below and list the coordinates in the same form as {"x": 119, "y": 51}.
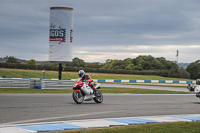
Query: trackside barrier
{"x": 57, "y": 84}
{"x": 14, "y": 83}
{"x": 35, "y": 82}
{"x": 67, "y": 83}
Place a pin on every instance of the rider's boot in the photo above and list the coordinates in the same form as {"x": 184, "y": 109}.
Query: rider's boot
{"x": 93, "y": 90}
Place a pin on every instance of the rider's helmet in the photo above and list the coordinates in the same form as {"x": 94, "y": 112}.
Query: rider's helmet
{"x": 81, "y": 73}
{"x": 198, "y": 81}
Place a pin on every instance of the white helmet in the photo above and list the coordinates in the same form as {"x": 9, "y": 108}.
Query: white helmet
{"x": 198, "y": 81}
{"x": 81, "y": 73}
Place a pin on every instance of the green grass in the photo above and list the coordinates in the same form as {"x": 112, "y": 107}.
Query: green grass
{"x": 103, "y": 90}
{"x": 176, "y": 127}
{"x": 18, "y": 73}
{"x": 132, "y": 77}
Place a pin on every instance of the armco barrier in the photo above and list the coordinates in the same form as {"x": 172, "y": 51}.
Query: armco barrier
{"x": 35, "y": 82}
{"x": 57, "y": 84}
{"x": 67, "y": 83}
{"x": 14, "y": 83}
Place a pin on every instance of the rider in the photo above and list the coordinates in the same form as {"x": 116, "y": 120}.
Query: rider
{"x": 87, "y": 77}
{"x": 190, "y": 87}
{"x": 198, "y": 82}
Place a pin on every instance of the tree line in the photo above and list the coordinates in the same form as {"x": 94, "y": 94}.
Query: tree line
{"x": 141, "y": 63}
{"x": 144, "y": 65}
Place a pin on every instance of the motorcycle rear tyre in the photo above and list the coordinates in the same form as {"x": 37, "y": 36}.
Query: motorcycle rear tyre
{"x": 78, "y": 97}
{"x": 98, "y": 97}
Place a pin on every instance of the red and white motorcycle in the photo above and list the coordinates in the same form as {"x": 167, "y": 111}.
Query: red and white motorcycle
{"x": 83, "y": 92}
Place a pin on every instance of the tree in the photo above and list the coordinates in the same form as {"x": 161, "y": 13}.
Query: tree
{"x": 194, "y": 69}
{"x": 146, "y": 62}
{"x": 174, "y": 72}
{"x": 116, "y": 64}
{"x": 184, "y": 73}
{"x": 76, "y": 62}
{"x": 127, "y": 64}
{"x": 107, "y": 64}
{"x": 31, "y": 62}
{"x": 129, "y": 67}
{"x": 12, "y": 59}
{"x": 138, "y": 67}
{"x": 143, "y": 63}
{"x": 113, "y": 64}
{"x": 93, "y": 65}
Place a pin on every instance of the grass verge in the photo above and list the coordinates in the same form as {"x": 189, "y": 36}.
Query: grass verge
{"x": 103, "y": 90}
{"x": 20, "y": 73}
{"x": 176, "y": 127}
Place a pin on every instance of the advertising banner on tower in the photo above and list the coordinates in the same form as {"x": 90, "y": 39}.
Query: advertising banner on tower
{"x": 61, "y": 34}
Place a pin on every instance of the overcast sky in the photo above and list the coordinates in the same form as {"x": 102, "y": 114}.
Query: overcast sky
{"x": 104, "y": 29}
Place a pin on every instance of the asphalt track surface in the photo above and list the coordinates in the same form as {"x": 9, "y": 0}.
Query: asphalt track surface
{"x": 33, "y": 108}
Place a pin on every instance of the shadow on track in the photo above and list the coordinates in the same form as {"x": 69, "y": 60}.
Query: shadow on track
{"x": 195, "y": 102}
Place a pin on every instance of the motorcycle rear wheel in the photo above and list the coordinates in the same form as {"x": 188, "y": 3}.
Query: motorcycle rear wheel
{"x": 78, "y": 97}
{"x": 98, "y": 96}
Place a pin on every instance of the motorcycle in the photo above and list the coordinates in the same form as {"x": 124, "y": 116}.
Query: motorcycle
{"x": 83, "y": 92}
{"x": 197, "y": 90}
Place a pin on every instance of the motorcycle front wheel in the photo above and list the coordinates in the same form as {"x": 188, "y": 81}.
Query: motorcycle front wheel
{"x": 98, "y": 96}
{"x": 78, "y": 97}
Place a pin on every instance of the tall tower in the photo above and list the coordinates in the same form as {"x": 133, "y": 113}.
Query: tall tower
{"x": 60, "y": 34}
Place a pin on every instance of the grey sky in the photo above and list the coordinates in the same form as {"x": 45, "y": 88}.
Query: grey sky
{"x": 105, "y": 29}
